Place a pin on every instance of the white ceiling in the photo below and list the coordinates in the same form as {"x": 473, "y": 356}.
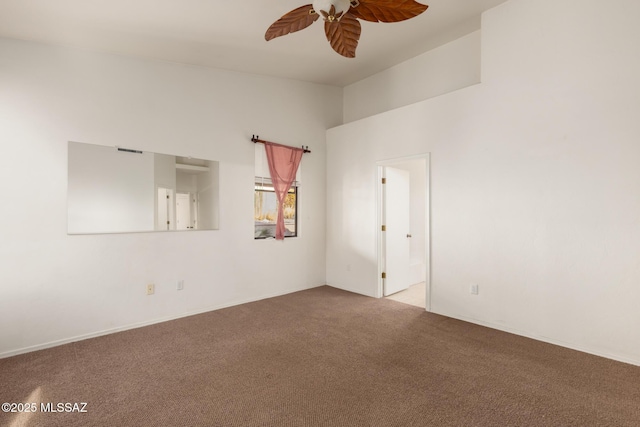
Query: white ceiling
{"x": 229, "y": 34}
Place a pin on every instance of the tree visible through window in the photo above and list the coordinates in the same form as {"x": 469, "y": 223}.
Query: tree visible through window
{"x": 266, "y": 210}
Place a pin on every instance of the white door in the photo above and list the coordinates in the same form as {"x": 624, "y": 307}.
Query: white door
{"x": 397, "y": 199}
{"x": 183, "y": 211}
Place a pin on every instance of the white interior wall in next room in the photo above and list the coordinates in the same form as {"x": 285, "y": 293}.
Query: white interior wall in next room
{"x": 55, "y": 287}
{"x": 534, "y": 179}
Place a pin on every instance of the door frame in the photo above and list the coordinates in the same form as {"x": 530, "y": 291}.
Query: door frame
{"x": 170, "y": 208}
{"x": 380, "y": 238}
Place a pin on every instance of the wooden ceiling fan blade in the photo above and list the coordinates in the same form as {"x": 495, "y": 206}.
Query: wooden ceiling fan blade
{"x": 296, "y": 20}
{"x": 387, "y": 10}
{"x": 343, "y": 34}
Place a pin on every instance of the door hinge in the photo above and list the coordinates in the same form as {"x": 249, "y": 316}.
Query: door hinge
{"x": 384, "y": 228}
{"x": 384, "y": 275}
{"x": 167, "y": 222}
{"x": 167, "y": 197}
{"x": 384, "y": 180}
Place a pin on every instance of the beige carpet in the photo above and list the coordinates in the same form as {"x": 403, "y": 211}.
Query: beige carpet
{"x": 322, "y": 357}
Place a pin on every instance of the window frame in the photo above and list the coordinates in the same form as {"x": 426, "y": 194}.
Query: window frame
{"x": 260, "y": 185}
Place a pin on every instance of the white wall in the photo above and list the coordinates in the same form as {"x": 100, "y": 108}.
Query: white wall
{"x": 55, "y": 287}
{"x": 449, "y": 67}
{"x": 534, "y": 180}
{"x": 186, "y": 182}
{"x": 209, "y": 197}
{"x": 164, "y": 171}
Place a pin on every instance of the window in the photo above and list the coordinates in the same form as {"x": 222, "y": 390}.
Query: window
{"x": 266, "y": 202}
{"x": 266, "y": 210}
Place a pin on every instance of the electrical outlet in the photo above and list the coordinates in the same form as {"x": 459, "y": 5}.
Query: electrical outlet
{"x": 151, "y": 288}
{"x": 474, "y": 289}
{"x": 180, "y": 285}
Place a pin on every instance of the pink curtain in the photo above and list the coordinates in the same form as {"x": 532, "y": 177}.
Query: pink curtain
{"x": 283, "y": 165}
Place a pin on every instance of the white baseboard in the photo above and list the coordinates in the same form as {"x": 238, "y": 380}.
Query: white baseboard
{"x": 63, "y": 341}
{"x": 548, "y": 340}
{"x": 352, "y": 290}
{"x": 491, "y": 325}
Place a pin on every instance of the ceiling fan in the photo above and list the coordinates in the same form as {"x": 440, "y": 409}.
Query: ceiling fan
{"x": 340, "y": 17}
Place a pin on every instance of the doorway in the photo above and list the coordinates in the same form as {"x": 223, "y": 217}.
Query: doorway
{"x": 403, "y": 230}
{"x": 186, "y": 211}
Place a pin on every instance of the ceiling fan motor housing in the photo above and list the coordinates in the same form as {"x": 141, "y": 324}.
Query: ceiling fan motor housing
{"x": 341, "y": 6}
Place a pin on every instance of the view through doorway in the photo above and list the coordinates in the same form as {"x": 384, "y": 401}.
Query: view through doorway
{"x": 403, "y": 236}
{"x": 414, "y": 295}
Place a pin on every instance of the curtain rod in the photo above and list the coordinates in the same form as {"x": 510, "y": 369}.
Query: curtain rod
{"x": 255, "y": 139}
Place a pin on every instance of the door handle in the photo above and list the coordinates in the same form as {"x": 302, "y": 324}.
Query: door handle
{"x": 408, "y": 236}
